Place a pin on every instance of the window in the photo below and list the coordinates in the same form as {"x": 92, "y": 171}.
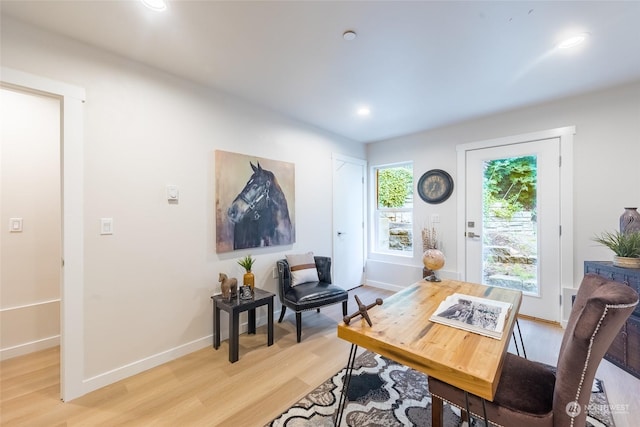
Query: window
{"x": 394, "y": 209}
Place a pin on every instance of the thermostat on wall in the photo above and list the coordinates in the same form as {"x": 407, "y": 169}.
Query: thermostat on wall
{"x": 172, "y": 193}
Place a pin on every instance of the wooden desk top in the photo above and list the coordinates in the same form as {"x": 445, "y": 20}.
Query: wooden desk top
{"x": 402, "y": 332}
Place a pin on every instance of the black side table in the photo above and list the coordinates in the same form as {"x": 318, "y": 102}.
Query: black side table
{"x": 236, "y": 306}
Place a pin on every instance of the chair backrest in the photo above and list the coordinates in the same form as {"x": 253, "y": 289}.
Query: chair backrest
{"x": 600, "y": 309}
{"x": 323, "y": 265}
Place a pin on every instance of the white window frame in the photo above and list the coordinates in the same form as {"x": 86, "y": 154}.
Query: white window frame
{"x": 375, "y": 210}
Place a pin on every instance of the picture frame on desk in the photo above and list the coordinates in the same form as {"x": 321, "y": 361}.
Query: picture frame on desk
{"x": 245, "y": 293}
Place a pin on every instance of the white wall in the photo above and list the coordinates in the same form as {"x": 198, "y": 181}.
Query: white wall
{"x": 606, "y": 156}
{"x": 147, "y": 287}
{"x": 30, "y": 272}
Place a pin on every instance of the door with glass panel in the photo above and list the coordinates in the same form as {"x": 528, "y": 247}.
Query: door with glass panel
{"x": 513, "y": 222}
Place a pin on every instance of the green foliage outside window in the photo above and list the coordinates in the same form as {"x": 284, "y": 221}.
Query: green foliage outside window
{"x": 510, "y": 185}
{"x": 394, "y": 186}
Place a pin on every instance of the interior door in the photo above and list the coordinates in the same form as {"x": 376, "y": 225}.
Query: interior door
{"x": 512, "y": 222}
{"x": 348, "y": 221}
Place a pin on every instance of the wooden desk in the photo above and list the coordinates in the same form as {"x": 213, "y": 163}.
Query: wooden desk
{"x": 402, "y": 332}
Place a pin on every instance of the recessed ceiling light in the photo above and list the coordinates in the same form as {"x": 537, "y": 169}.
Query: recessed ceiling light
{"x": 363, "y": 111}
{"x": 349, "y": 35}
{"x": 573, "y": 41}
{"x": 155, "y": 5}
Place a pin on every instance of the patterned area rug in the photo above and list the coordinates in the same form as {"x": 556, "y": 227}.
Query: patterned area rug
{"x": 384, "y": 393}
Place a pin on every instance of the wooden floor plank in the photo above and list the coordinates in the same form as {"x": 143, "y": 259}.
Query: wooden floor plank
{"x": 203, "y": 388}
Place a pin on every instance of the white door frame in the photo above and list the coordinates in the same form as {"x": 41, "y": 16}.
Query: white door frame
{"x": 566, "y": 195}
{"x": 72, "y": 280}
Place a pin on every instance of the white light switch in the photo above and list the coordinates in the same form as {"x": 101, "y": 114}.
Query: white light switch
{"x": 106, "y": 226}
{"x": 172, "y": 193}
{"x": 15, "y": 225}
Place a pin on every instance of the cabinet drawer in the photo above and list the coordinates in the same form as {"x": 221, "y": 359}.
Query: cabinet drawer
{"x": 617, "y": 352}
{"x": 628, "y": 276}
{"x": 633, "y": 345}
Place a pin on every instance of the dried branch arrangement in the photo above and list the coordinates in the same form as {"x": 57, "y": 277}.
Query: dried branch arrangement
{"x": 429, "y": 238}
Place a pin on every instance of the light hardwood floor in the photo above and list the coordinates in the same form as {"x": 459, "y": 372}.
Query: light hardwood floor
{"x": 204, "y": 389}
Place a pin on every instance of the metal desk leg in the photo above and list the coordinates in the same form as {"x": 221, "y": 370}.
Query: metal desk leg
{"x": 270, "y": 322}
{"x": 466, "y": 406}
{"x": 515, "y": 341}
{"x": 484, "y": 408}
{"x": 521, "y": 341}
{"x": 216, "y": 325}
{"x": 345, "y": 384}
{"x": 234, "y": 332}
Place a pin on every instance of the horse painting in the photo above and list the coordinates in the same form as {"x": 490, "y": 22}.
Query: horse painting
{"x": 259, "y": 213}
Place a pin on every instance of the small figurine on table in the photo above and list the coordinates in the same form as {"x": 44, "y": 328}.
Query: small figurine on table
{"x": 228, "y": 286}
{"x": 362, "y": 311}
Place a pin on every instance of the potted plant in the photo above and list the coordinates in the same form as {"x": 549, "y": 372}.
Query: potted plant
{"x": 247, "y": 263}
{"x": 625, "y": 246}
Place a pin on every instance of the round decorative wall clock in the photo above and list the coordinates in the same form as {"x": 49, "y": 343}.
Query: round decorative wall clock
{"x": 435, "y": 186}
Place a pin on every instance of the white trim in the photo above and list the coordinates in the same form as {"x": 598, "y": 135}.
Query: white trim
{"x": 386, "y": 286}
{"x": 142, "y": 365}
{"x": 34, "y": 304}
{"x": 72, "y": 295}
{"x": 566, "y": 194}
{"x": 42, "y": 84}
{"x": 106, "y": 378}
{"x": 29, "y": 347}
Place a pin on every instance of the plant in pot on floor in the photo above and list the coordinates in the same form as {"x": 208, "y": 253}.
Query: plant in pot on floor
{"x": 247, "y": 263}
{"x": 625, "y": 246}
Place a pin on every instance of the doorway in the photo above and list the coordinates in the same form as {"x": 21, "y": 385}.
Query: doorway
{"x": 31, "y": 206}
{"x": 72, "y": 383}
{"x": 512, "y": 219}
{"x": 348, "y": 221}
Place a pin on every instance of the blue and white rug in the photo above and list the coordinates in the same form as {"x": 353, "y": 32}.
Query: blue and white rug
{"x": 383, "y": 393}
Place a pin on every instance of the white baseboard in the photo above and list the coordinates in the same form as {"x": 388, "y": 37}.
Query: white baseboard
{"x": 29, "y": 347}
{"x": 133, "y": 368}
{"x": 395, "y": 288}
{"x": 382, "y": 285}
{"x": 122, "y": 372}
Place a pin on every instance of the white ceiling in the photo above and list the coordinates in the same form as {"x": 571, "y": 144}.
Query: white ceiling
{"x": 417, "y": 64}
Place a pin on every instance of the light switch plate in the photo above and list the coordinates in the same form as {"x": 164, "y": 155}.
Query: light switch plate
{"x": 106, "y": 226}
{"x": 15, "y": 225}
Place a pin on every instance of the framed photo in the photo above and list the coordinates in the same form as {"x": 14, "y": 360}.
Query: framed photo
{"x": 255, "y": 202}
{"x": 246, "y": 293}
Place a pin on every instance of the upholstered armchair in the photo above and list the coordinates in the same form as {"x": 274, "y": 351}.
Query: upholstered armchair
{"x": 532, "y": 394}
{"x": 308, "y": 295}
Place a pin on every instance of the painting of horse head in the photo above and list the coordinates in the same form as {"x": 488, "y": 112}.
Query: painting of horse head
{"x": 258, "y": 215}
